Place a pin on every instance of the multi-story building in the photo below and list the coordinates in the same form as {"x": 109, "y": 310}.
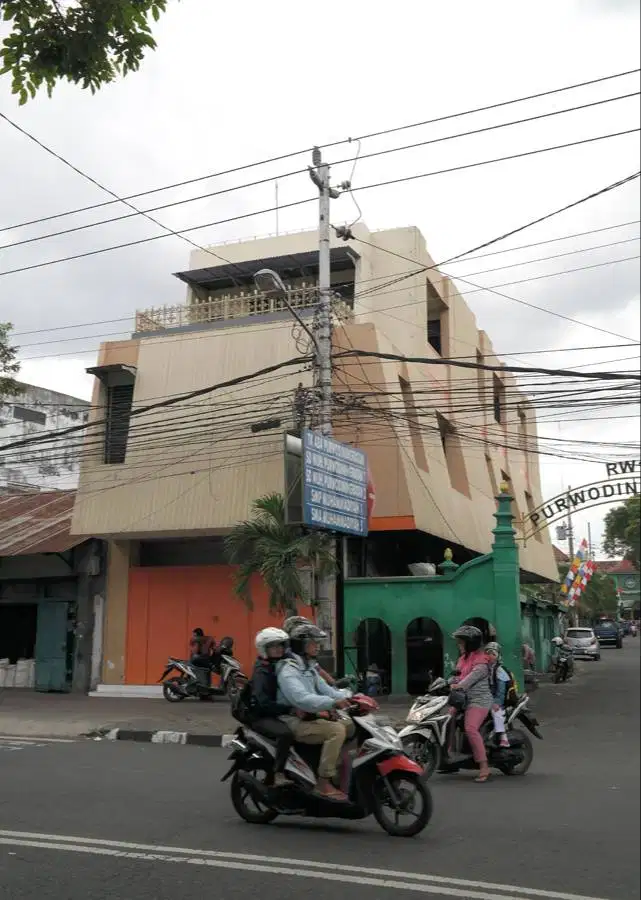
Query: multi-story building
{"x": 165, "y": 478}
{"x": 40, "y": 467}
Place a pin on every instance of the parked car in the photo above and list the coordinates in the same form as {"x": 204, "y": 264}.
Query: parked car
{"x": 609, "y": 634}
{"x": 584, "y": 643}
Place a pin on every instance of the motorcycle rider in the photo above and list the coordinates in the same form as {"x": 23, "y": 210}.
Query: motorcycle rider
{"x": 291, "y": 623}
{"x": 473, "y": 678}
{"x": 272, "y": 645}
{"x": 301, "y": 687}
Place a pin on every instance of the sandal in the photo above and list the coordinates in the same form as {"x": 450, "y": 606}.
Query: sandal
{"x": 481, "y": 779}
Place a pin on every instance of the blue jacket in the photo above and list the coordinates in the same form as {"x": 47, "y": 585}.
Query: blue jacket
{"x": 501, "y": 680}
{"x": 300, "y": 686}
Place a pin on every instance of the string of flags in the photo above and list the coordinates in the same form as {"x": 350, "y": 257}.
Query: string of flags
{"x": 579, "y": 575}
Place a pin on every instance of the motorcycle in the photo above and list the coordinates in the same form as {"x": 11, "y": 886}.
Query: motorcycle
{"x": 195, "y": 681}
{"x": 563, "y": 664}
{"x": 378, "y": 778}
{"x": 426, "y": 736}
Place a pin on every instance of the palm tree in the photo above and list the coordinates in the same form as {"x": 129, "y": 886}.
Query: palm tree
{"x": 266, "y": 545}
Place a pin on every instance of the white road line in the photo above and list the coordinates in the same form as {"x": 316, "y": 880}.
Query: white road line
{"x": 33, "y": 740}
{"x": 305, "y": 868}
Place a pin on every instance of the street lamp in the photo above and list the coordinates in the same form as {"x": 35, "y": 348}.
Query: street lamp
{"x": 271, "y": 284}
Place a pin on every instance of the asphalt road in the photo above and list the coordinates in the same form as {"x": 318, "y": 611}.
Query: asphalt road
{"x": 87, "y": 820}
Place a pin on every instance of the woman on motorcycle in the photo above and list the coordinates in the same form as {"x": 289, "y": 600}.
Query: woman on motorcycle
{"x": 472, "y": 676}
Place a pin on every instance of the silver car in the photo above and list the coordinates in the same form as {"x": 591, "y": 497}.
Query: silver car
{"x": 584, "y": 643}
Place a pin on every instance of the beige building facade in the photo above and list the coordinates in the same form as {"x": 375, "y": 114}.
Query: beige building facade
{"x": 181, "y": 445}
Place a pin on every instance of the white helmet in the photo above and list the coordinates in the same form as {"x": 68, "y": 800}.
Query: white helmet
{"x": 557, "y": 641}
{"x": 268, "y": 637}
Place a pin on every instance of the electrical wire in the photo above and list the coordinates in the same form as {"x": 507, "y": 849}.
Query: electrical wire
{"x": 306, "y": 150}
{"x": 388, "y": 183}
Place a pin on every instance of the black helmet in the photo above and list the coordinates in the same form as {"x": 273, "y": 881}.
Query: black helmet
{"x": 471, "y": 636}
{"x": 293, "y": 622}
{"x": 301, "y": 634}
{"x": 227, "y": 644}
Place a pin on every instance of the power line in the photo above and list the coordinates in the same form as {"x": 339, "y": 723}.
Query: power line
{"x": 240, "y": 379}
{"x": 271, "y": 209}
{"x": 361, "y": 281}
{"x": 307, "y": 150}
{"x": 146, "y": 213}
{"x": 424, "y": 360}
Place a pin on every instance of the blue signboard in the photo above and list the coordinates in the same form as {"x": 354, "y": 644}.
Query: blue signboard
{"x": 334, "y": 485}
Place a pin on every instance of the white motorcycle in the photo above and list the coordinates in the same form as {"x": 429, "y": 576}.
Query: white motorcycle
{"x": 425, "y": 737}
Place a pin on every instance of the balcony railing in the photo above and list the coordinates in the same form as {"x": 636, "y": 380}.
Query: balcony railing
{"x": 242, "y": 305}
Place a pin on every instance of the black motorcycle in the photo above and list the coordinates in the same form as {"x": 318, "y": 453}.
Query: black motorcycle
{"x": 563, "y": 664}
{"x": 196, "y": 681}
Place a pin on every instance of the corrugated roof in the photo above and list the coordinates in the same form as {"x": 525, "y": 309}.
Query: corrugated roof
{"x": 36, "y": 523}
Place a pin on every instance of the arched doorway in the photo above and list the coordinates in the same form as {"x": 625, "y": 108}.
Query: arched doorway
{"x": 373, "y": 642}
{"x": 424, "y": 649}
{"x": 486, "y": 628}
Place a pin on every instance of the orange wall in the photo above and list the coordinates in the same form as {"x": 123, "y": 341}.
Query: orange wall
{"x": 166, "y": 603}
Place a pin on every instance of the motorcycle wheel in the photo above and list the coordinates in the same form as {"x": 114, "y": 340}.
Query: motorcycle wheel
{"x": 171, "y": 692}
{"x": 250, "y": 810}
{"x": 558, "y": 676}
{"x": 426, "y": 753}
{"x": 408, "y": 788}
{"x": 528, "y": 755}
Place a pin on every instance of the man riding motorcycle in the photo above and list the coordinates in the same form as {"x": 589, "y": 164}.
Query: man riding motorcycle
{"x": 288, "y": 625}
{"x": 301, "y": 687}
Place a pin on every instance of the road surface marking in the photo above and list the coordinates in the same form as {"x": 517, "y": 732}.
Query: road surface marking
{"x": 33, "y": 739}
{"x": 294, "y": 868}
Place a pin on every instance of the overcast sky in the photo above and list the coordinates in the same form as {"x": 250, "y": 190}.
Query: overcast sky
{"x": 234, "y": 83}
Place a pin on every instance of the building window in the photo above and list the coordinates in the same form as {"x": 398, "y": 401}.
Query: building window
{"x": 29, "y": 415}
{"x": 529, "y": 502}
{"x": 514, "y": 507}
{"x": 491, "y": 475}
{"x": 412, "y": 416}
{"x": 454, "y": 459}
{"x": 498, "y": 399}
{"x": 436, "y": 319}
{"x": 118, "y": 414}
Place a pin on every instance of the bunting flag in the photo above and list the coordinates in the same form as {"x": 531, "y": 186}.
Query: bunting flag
{"x": 585, "y": 573}
{"x": 581, "y": 554}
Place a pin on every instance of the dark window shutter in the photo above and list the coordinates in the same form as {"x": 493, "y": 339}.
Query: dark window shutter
{"x": 119, "y": 401}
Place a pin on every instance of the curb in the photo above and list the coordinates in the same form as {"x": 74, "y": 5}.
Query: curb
{"x": 165, "y": 737}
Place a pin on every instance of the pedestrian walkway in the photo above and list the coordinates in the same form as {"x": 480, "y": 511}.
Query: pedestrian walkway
{"x": 28, "y": 714}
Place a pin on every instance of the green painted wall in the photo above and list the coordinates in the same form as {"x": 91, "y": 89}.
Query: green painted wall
{"x": 486, "y": 587}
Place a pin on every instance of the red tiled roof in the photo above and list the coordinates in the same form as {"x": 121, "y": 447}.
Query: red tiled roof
{"x": 559, "y": 555}
{"x": 616, "y": 566}
{"x": 36, "y": 523}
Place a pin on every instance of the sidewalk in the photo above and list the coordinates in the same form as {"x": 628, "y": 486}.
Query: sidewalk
{"x": 24, "y": 713}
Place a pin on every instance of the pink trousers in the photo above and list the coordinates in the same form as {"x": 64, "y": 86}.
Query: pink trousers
{"x": 474, "y": 718}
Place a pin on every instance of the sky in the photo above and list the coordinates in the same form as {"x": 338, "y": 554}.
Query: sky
{"x": 234, "y": 83}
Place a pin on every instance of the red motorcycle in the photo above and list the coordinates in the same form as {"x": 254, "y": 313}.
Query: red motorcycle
{"x": 378, "y": 778}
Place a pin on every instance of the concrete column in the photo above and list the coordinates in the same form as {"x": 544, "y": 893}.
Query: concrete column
{"x": 115, "y": 623}
{"x": 507, "y": 606}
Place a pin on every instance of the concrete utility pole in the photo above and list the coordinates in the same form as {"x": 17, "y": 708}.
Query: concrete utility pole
{"x": 319, "y": 174}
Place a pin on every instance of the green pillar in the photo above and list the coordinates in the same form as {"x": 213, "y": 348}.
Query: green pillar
{"x": 507, "y": 606}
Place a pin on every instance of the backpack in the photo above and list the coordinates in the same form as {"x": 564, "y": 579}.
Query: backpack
{"x": 511, "y": 687}
{"x": 242, "y": 704}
